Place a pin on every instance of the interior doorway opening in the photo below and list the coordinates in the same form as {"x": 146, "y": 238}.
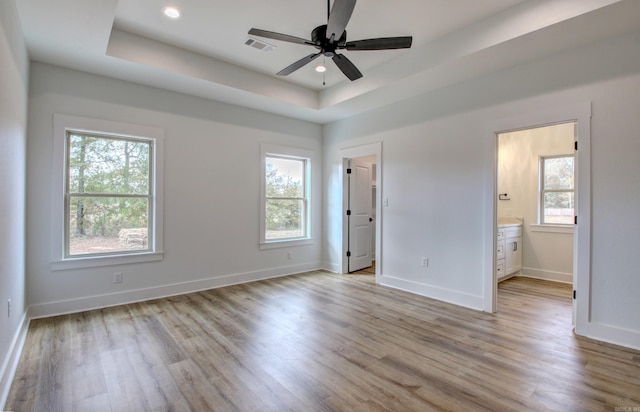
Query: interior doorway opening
{"x": 579, "y": 113}
{"x": 361, "y": 236}
{"x": 361, "y": 213}
{"x": 536, "y": 203}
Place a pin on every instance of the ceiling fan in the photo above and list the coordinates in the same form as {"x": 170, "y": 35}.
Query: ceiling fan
{"x": 331, "y": 37}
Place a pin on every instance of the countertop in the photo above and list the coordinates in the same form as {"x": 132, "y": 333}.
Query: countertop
{"x": 509, "y": 221}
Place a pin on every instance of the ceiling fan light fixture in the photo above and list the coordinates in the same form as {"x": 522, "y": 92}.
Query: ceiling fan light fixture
{"x": 321, "y": 68}
{"x": 171, "y": 12}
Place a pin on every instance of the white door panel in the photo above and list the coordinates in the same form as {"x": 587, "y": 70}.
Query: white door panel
{"x": 360, "y": 218}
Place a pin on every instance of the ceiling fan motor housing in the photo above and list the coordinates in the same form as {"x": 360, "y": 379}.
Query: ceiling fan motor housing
{"x": 319, "y": 37}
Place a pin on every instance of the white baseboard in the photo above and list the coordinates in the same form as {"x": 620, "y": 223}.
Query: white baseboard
{"x": 547, "y": 275}
{"x": 611, "y": 334}
{"x": 331, "y": 267}
{"x": 10, "y": 363}
{"x": 445, "y": 295}
{"x": 82, "y": 304}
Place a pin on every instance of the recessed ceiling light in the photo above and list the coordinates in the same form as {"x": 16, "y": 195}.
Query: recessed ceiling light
{"x": 171, "y": 12}
{"x": 321, "y": 68}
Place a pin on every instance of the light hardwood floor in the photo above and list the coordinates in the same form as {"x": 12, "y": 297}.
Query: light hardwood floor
{"x": 322, "y": 342}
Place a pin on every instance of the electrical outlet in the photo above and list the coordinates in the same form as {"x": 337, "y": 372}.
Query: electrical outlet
{"x": 117, "y": 277}
{"x": 425, "y": 262}
{"x": 9, "y": 308}
{"x": 290, "y": 255}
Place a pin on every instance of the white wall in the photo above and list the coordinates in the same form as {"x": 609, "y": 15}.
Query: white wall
{"x": 14, "y": 67}
{"x": 435, "y": 165}
{"x": 546, "y": 255}
{"x": 211, "y": 186}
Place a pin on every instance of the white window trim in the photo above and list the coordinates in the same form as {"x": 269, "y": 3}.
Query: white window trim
{"x": 551, "y": 227}
{"x": 63, "y": 123}
{"x": 275, "y": 150}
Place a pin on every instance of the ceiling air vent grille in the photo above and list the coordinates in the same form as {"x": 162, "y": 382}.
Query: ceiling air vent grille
{"x": 259, "y": 44}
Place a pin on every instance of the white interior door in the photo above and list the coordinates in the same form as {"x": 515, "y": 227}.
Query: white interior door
{"x": 359, "y": 215}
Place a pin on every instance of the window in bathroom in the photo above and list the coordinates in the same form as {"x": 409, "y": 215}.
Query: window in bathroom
{"x": 557, "y": 193}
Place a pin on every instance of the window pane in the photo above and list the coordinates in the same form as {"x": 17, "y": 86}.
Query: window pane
{"x": 103, "y": 165}
{"x": 284, "y": 219}
{"x": 558, "y": 173}
{"x": 558, "y": 207}
{"x": 107, "y": 224}
{"x": 284, "y": 177}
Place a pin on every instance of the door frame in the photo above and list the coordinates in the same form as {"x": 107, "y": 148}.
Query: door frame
{"x": 581, "y": 114}
{"x": 371, "y": 149}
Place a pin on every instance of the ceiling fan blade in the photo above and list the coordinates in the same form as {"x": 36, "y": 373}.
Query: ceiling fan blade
{"x": 383, "y": 43}
{"x": 349, "y": 69}
{"x": 280, "y": 36}
{"x": 339, "y": 17}
{"x": 296, "y": 65}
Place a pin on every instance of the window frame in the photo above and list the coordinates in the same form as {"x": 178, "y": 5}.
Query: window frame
{"x": 283, "y": 152}
{"x": 69, "y": 195}
{"x": 63, "y": 125}
{"x": 542, "y": 191}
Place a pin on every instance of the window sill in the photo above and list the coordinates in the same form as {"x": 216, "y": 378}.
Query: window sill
{"x": 98, "y": 261}
{"x": 285, "y": 243}
{"x": 553, "y": 228}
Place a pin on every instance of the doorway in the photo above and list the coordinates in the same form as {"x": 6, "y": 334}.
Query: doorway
{"x": 370, "y": 192}
{"x": 361, "y": 212}
{"x": 536, "y": 203}
{"x": 579, "y": 113}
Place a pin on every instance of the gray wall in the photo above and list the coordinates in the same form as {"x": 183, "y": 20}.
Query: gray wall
{"x": 14, "y": 67}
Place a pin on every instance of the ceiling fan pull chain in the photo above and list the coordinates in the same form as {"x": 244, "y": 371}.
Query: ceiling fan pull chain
{"x": 324, "y": 73}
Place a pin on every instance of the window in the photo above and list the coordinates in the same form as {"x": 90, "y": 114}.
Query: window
{"x": 557, "y": 190}
{"x": 109, "y": 206}
{"x": 108, "y": 194}
{"x": 285, "y": 196}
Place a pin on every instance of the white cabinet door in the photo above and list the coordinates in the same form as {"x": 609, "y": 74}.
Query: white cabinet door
{"x": 513, "y": 255}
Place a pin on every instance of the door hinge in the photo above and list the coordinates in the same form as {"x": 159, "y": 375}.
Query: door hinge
{"x": 349, "y": 171}
{"x": 574, "y": 295}
{"x": 576, "y": 145}
{"x": 348, "y": 212}
{"x": 348, "y": 254}
{"x": 575, "y": 220}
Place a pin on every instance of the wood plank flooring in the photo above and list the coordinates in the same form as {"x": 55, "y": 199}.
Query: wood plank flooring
{"x": 324, "y": 342}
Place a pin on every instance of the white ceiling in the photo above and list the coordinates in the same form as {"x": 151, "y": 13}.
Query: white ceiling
{"x": 203, "y": 53}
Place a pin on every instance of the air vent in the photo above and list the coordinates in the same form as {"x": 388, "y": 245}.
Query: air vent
{"x": 259, "y": 44}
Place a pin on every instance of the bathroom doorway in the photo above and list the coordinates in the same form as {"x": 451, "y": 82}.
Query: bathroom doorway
{"x": 536, "y": 203}
{"x": 580, "y": 114}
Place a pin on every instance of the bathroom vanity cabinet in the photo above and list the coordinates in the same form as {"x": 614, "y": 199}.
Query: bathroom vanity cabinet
{"x": 508, "y": 249}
